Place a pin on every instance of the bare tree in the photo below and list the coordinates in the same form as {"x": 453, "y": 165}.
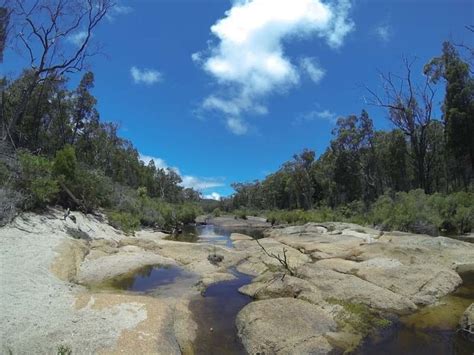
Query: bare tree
{"x": 56, "y": 36}
{"x": 4, "y": 25}
{"x": 410, "y": 108}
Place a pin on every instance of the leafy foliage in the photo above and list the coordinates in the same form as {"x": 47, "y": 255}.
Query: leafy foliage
{"x": 37, "y": 180}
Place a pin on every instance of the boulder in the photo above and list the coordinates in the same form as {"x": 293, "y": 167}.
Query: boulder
{"x": 285, "y": 326}
{"x": 351, "y": 288}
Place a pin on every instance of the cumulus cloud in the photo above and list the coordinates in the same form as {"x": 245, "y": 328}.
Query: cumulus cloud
{"x": 145, "y": 76}
{"x": 188, "y": 181}
{"x": 383, "y": 32}
{"x": 315, "y": 115}
{"x": 312, "y": 68}
{"x": 213, "y": 196}
{"x": 249, "y": 61}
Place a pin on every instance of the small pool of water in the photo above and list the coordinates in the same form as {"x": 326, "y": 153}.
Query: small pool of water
{"x": 429, "y": 331}
{"x": 213, "y": 234}
{"x": 150, "y": 278}
{"x": 215, "y": 314}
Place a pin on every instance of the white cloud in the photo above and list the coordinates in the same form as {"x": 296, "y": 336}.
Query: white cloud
{"x": 249, "y": 61}
{"x": 196, "y": 57}
{"x": 159, "y": 163}
{"x": 213, "y": 196}
{"x": 198, "y": 183}
{"x": 236, "y": 125}
{"x": 117, "y": 10}
{"x": 312, "y": 68}
{"x": 188, "y": 181}
{"x": 317, "y": 115}
{"x": 145, "y": 76}
{"x": 383, "y": 32}
{"x": 77, "y": 38}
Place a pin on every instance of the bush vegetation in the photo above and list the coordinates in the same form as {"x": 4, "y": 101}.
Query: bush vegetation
{"x": 62, "y": 154}
{"x": 412, "y": 211}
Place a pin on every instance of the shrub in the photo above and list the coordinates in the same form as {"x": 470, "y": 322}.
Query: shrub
{"x": 187, "y": 213}
{"x": 64, "y": 350}
{"x": 37, "y": 180}
{"x": 65, "y": 163}
{"x": 417, "y": 212}
{"x": 407, "y": 211}
{"x": 10, "y": 203}
{"x": 92, "y": 187}
{"x": 124, "y": 221}
{"x": 241, "y": 214}
{"x": 216, "y": 212}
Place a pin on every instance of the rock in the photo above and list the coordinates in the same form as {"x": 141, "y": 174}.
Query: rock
{"x": 422, "y": 284}
{"x": 215, "y": 258}
{"x": 467, "y": 322}
{"x": 350, "y": 288}
{"x": 202, "y": 219}
{"x": 275, "y": 285}
{"x": 100, "y": 269}
{"x": 258, "y": 261}
{"x": 238, "y": 236}
{"x": 284, "y": 326}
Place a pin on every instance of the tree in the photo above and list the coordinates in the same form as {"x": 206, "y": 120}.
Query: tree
{"x": 410, "y": 109}
{"x": 4, "y": 23}
{"x": 458, "y": 107}
{"x": 84, "y": 109}
{"x": 43, "y": 28}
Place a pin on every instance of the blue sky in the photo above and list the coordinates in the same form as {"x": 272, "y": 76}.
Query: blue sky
{"x": 226, "y": 91}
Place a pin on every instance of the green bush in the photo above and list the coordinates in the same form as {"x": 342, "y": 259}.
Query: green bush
{"x": 407, "y": 211}
{"x": 241, "y": 214}
{"x": 37, "y": 180}
{"x": 216, "y": 212}
{"x": 124, "y": 221}
{"x": 92, "y": 187}
{"x": 187, "y": 213}
{"x": 417, "y": 212}
{"x": 65, "y": 163}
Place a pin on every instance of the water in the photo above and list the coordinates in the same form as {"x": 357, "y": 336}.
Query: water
{"x": 430, "y": 331}
{"x": 147, "y": 278}
{"x": 215, "y": 315}
{"x": 213, "y": 234}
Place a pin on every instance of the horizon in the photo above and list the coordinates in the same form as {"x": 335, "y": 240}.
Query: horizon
{"x": 186, "y": 99}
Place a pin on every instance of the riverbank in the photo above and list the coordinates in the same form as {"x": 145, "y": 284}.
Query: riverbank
{"x": 59, "y": 286}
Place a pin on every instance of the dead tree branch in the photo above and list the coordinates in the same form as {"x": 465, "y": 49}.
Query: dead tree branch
{"x": 282, "y": 260}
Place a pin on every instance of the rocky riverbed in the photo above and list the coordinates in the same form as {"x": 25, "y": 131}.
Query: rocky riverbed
{"x": 341, "y": 283}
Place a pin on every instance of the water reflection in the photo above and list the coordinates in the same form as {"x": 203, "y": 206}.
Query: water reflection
{"x": 213, "y": 234}
{"x": 431, "y": 330}
{"x": 147, "y": 278}
{"x": 215, "y": 315}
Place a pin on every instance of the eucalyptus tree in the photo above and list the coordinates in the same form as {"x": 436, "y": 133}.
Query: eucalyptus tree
{"x": 458, "y": 106}
{"x": 410, "y": 108}
{"x": 56, "y": 37}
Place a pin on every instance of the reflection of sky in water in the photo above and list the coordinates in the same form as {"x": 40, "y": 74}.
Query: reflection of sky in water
{"x": 149, "y": 278}
{"x": 212, "y": 234}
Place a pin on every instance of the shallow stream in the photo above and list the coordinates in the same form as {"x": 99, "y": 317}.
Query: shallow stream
{"x": 430, "y": 331}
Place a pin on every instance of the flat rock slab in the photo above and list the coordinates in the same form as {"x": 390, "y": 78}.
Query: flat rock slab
{"x": 284, "y": 326}
{"x": 238, "y": 236}
{"x": 350, "y": 288}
